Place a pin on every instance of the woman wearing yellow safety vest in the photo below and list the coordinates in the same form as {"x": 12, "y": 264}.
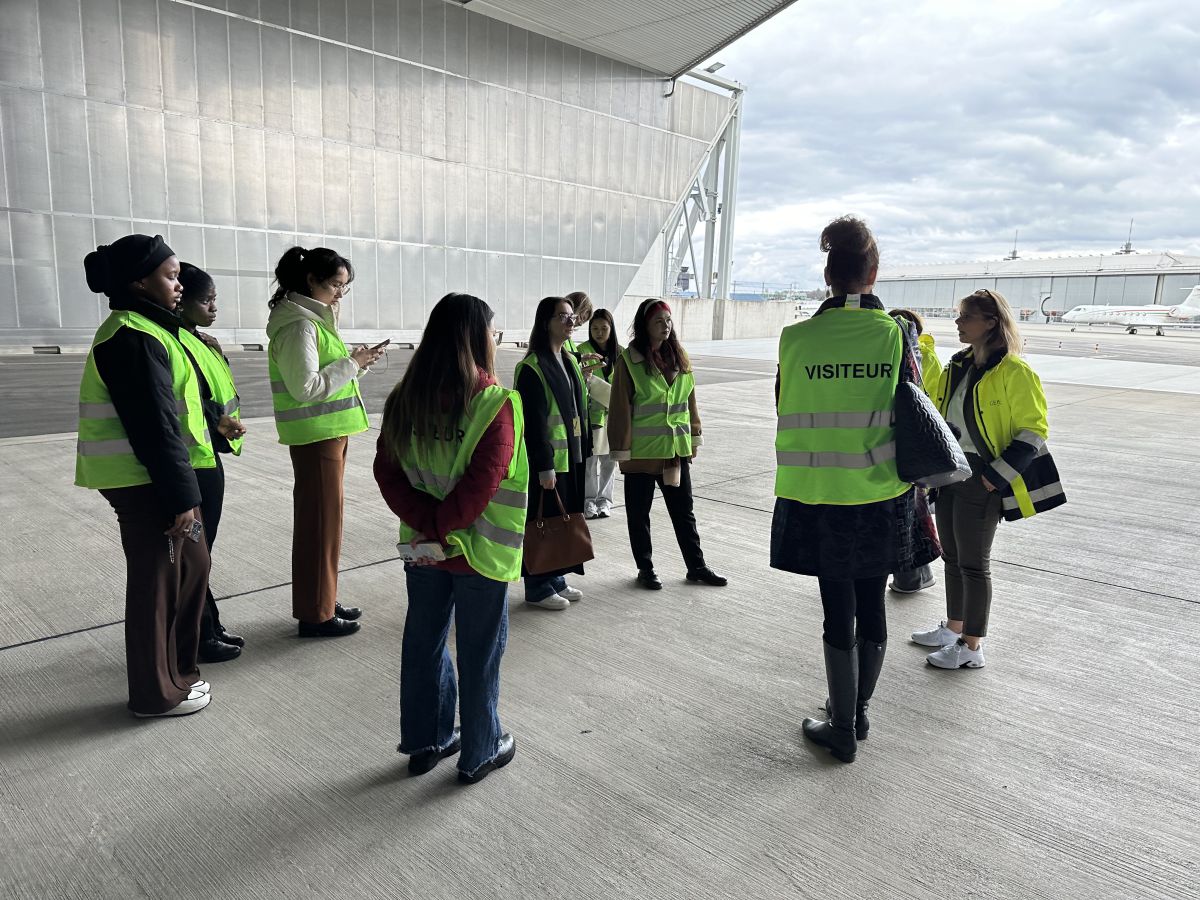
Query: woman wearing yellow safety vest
{"x": 142, "y": 436}
{"x": 198, "y": 307}
{"x": 654, "y": 433}
{"x": 314, "y": 391}
{"x": 601, "y": 469}
{"x": 931, "y": 368}
{"x": 995, "y": 404}
{"x": 451, "y": 464}
{"x": 842, "y": 513}
{"x": 551, "y": 384}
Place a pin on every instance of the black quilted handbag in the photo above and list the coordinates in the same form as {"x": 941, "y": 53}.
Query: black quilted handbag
{"x": 927, "y": 453}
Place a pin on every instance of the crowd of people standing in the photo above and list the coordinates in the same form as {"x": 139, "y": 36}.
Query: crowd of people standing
{"x": 466, "y": 464}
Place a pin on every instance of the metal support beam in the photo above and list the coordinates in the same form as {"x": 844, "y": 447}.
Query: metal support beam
{"x": 711, "y": 197}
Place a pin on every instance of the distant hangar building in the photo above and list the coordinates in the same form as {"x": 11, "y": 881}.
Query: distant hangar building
{"x": 1119, "y": 279}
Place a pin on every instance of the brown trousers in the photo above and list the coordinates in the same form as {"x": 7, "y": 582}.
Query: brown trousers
{"x": 165, "y": 584}
{"x": 317, "y": 527}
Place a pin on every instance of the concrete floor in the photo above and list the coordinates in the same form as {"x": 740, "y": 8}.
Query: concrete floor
{"x": 659, "y": 752}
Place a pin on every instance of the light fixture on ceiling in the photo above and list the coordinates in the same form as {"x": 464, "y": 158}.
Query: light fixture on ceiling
{"x": 711, "y": 69}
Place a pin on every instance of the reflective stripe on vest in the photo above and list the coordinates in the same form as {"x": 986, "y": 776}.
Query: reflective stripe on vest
{"x": 556, "y": 426}
{"x": 306, "y": 422}
{"x": 662, "y": 420}
{"x": 492, "y": 543}
{"x": 834, "y": 440}
{"x": 219, "y": 377}
{"x": 104, "y": 458}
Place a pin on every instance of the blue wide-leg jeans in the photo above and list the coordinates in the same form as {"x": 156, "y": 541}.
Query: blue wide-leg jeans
{"x": 428, "y": 691}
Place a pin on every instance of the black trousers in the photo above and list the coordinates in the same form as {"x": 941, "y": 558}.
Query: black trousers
{"x": 845, "y": 602}
{"x": 639, "y": 497}
{"x": 212, "y": 498}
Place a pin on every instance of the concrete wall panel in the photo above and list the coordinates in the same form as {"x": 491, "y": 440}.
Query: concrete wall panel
{"x": 442, "y": 149}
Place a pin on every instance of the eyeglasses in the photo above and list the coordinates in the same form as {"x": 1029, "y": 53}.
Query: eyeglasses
{"x": 565, "y": 318}
{"x": 340, "y": 289}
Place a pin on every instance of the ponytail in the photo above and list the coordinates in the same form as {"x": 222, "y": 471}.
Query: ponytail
{"x": 297, "y": 264}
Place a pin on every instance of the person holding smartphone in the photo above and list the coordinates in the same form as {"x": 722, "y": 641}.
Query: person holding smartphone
{"x": 314, "y": 391}
{"x": 218, "y": 393}
{"x": 451, "y": 464}
{"x": 142, "y": 438}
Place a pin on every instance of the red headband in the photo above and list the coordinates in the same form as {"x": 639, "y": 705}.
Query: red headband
{"x": 650, "y": 309}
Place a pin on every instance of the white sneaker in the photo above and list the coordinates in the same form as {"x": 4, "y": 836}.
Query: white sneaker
{"x": 957, "y": 656}
{"x": 203, "y": 687}
{"x": 935, "y": 637}
{"x": 572, "y": 594}
{"x": 195, "y": 702}
{"x": 554, "y": 601}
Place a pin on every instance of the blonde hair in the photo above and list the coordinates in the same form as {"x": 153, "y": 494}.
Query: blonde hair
{"x": 583, "y": 306}
{"x": 993, "y": 305}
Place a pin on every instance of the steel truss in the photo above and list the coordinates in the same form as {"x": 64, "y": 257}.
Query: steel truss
{"x": 711, "y": 199}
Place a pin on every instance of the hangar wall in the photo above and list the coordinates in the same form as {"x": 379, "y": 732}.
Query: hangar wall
{"x": 438, "y": 148}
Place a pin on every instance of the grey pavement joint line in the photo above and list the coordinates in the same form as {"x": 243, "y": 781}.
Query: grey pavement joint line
{"x": 268, "y": 587}
{"x": 1113, "y": 584}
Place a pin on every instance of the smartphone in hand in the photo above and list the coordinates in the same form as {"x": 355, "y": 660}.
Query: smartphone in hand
{"x": 382, "y": 345}
{"x": 426, "y": 550}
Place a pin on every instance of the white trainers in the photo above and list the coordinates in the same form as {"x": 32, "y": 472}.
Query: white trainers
{"x": 572, "y": 594}
{"x": 195, "y": 702}
{"x": 554, "y": 601}
{"x": 935, "y": 637}
{"x": 957, "y": 656}
{"x": 203, "y": 687}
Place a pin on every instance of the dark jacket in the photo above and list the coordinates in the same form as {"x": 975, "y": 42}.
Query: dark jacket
{"x": 137, "y": 372}
{"x": 570, "y": 398}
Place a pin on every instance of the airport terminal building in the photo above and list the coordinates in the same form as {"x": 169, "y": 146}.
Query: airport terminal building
{"x": 1119, "y": 279}
{"x": 511, "y": 150}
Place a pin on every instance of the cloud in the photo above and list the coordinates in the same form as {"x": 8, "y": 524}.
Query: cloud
{"x": 949, "y": 126}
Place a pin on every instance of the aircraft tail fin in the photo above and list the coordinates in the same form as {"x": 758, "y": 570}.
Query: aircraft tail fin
{"x": 1191, "y": 304}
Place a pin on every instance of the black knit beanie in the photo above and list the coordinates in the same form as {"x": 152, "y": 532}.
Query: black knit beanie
{"x": 112, "y": 266}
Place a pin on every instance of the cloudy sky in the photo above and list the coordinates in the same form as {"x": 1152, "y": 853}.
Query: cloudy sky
{"x": 949, "y": 125}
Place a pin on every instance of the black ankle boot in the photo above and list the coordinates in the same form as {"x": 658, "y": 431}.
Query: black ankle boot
{"x": 837, "y": 733}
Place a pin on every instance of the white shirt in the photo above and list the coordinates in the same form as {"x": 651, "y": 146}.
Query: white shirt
{"x": 956, "y": 416}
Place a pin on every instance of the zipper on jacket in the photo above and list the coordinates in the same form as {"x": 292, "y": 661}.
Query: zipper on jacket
{"x": 987, "y": 438}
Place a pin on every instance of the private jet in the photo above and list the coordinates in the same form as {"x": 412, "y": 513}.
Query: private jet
{"x": 1132, "y": 318}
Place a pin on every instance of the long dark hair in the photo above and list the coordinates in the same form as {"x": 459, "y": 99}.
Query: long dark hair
{"x": 611, "y": 349}
{"x": 671, "y": 355}
{"x": 539, "y": 337}
{"x": 441, "y": 379}
{"x": 298, "y": 263}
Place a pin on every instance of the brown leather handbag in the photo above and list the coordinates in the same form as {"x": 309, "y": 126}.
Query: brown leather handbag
{"x": 560, "y": 541}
